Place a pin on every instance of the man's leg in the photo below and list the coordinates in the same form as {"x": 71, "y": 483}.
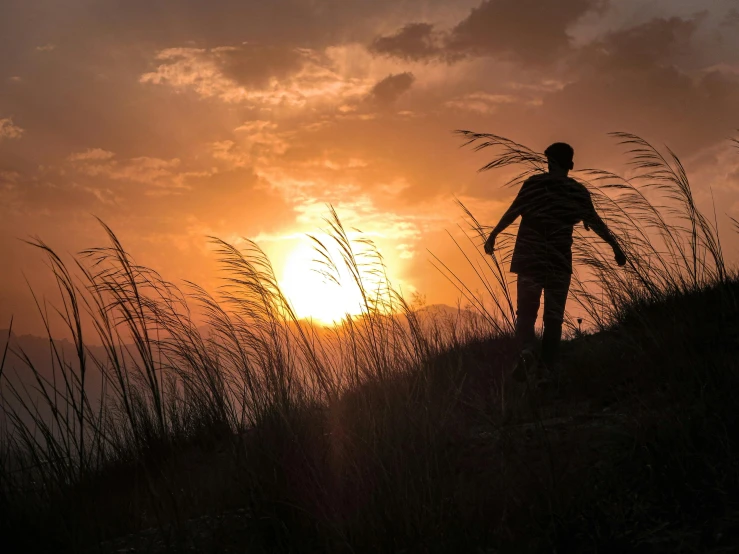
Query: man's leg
{"x": 555, "y": 298}
{"x": 529, "y": 296}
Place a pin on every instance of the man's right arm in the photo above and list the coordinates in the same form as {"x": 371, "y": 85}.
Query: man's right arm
{"x": 515, "y": 209}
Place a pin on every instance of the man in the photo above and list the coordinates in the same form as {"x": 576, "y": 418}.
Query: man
{"x": 550, "y": 205}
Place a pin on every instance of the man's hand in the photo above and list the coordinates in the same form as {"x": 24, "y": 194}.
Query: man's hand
{"x": 490, "y": 244}
{"x": 620, "y": 256}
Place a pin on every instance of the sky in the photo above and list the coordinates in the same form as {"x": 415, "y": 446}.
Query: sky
{"x": 175, "y": 120}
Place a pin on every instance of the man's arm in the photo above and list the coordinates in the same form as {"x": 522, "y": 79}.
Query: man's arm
{"x": 593, "y": 221}
{"x": 508, "y": 217}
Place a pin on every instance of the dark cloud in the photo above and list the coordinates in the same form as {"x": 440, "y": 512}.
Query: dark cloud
{"x": 661, "y": 103}
{"x": 634, "y": 80}
{"x": 391, "y": 87}
{"x": 532, "y": 31}
{"x": 731, "y": 19}
{"x": 415, "y": 41}
{"x": 313, "y": 24}
{"x": 255, "y": 64}
{"x": 655, "y": 42}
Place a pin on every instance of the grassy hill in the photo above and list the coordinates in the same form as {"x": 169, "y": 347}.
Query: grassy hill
{"x": 635, "y": 450}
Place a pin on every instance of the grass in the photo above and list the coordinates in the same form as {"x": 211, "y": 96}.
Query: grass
{"x": 397, "y": 430}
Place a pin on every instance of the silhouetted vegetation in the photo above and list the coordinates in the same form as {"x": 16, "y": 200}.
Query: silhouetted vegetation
{"x": 396, "y": 430}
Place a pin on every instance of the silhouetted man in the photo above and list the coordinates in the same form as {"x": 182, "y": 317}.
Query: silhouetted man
{"x": 550, "y": 205}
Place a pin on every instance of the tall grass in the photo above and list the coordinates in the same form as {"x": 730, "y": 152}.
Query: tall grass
{"x": 329, "y": 438}
{"x": 163, "y": 383}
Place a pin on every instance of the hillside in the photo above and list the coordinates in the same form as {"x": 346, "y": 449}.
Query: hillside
{"x": 634, "y": 450}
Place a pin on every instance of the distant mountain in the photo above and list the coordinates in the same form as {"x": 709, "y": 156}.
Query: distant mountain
{"x": 40, "y": 352}
{"x": 443, "y": 310}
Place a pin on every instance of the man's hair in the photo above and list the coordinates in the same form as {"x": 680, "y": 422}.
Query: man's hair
{"x": 561, "y": 153}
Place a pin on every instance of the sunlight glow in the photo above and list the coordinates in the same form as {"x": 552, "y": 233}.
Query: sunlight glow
{"x": 312, "y": 295}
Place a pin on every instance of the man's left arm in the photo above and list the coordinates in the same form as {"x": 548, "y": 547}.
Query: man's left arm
{"x": 592, "y": 220}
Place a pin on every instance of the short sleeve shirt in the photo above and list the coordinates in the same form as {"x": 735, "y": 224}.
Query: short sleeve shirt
{"x": 550, "y": 208}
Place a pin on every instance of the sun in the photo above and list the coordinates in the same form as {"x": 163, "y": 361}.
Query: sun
{"x": 312, "y": 295}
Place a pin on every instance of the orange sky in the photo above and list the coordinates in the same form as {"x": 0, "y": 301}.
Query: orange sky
{"x": 173, "y": 120}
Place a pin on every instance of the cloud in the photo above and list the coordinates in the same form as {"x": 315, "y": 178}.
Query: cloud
{"x": 165, "y": 176}
{"x": 262, "y": 138}
{"x": 46, "y": 48}
{"x": 253, "y": 143}
{"x": 9, "y": 130}
{"x": 414, "y": 41}
{"x": 254, "y": 65}
{"x": 91, "y": 154}
{"x": 731, "y": 19}
{"x": 658, "y": 41}
{"x": 637, "y": 79}
{"x": 483, "y": 102}
{"x": 529, "y": 31}
{"x": 388, "y": 90}
{"x": 314, "y": 23}
{"x": 196, "y": 68}
{"x": 717, "y": 167}
{"x": 233, "y": 75}
{"x": 396, "y": 229}
{"x": 725, "y": 68}
{"x": 227, "y": 151}
{"x": 9, "y": 177}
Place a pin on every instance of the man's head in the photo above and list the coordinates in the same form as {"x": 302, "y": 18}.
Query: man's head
{"x": 559, "y": 156}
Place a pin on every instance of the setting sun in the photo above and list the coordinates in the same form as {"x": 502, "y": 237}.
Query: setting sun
{"x": 313, "y": 295}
